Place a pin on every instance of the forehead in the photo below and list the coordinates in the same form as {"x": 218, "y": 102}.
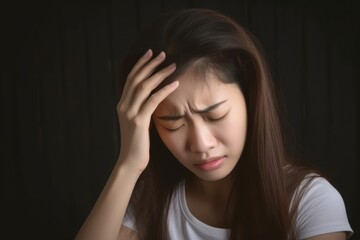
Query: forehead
{"x": 197, "y": 91}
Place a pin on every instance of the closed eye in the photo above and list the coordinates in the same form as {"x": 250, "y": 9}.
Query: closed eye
{"x": 173, "y": 129}
{"x": 214, "y": 119}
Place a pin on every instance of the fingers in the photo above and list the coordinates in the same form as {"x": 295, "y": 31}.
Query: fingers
{"x": 156, "y": 98}
{"x": 144, "y": 59}
{"x": 140, "y": 83}
{"x": 142, "y": 70}
{"x": 139, "y": 64}
{"x": 149, "y": 68}
{"x": 146, "y": 87}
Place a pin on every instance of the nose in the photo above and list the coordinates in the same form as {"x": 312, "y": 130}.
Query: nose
{"x": 201, "y": 139}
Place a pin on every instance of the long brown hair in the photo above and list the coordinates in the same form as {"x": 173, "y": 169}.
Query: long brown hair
{"x": 265, "y": 180}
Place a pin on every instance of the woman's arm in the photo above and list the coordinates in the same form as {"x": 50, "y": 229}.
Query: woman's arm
{"x": 104, "y": 220}
{"x": 329, "y": 236}
{"x": 134, "y": 110}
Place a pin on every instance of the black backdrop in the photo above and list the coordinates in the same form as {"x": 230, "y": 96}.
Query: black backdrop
{"x": 59, "y": 132}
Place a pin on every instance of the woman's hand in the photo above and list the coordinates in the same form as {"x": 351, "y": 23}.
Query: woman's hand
{"x": 137, "y": 105}
{"x": 134, "y": 109}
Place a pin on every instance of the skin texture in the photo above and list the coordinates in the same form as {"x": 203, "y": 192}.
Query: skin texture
{"x": 201, "y": 121}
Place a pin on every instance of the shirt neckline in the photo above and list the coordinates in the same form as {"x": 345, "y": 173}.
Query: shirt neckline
{"x": 203, "y": 227}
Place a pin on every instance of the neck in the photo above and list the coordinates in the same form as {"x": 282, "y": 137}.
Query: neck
{"x": 217, "y": 192}
{"x": 210, "y": 201}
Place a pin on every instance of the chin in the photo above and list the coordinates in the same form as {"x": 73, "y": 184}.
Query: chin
{"x": 212, "y": 176}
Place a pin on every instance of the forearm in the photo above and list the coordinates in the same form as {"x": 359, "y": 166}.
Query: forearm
{"x": 135, "y": 108}
{"x": 104, "y": 220}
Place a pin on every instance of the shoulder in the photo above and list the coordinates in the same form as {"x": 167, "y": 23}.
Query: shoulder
{"x": 321, "y": 209}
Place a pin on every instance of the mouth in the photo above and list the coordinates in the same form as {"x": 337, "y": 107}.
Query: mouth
{"x": 211, "y": 163}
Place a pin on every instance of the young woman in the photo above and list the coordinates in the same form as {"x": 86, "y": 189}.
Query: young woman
{"x": 202, "y": 151}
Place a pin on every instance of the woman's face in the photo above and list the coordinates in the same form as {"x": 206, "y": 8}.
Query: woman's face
{"x": 203, "y": 124}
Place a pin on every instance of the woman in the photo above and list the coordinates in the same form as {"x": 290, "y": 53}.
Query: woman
{"x": 202, "y": 151}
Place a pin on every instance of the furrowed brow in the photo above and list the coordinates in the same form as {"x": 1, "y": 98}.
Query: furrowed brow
{"x": 210, "y": 108}
{"x": 178, "y": 117}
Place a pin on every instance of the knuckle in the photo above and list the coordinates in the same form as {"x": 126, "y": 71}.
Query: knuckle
{"x": 142, "y": 86}
{"x": 124, "y": 113}
{"x": 137, "y": 120}
{"x": 153, "y": 99}
{"x": 128, "y": 115}
{"x": 121, "y": 108}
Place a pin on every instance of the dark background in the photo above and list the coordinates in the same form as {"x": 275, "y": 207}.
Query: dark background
{"x": 59, "y": 128}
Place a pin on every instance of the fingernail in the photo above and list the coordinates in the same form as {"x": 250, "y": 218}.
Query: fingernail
{"x": 161, "y": 55}
{"x": 148, "y": 53}
{"x": 174, "y": 84}
{"x": 171, "y": 66}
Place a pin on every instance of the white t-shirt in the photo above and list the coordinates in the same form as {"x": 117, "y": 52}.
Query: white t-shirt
{"x": 321, "y": 210}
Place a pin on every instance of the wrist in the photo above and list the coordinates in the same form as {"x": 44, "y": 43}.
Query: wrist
{"x": 127, "y": 167}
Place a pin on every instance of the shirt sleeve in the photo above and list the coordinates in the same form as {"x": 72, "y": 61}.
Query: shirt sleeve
{"x": 129, "y": 220}
{"x": 321, "y": 210}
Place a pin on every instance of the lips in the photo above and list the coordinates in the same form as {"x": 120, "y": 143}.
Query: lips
{"x": 211, "y": 163}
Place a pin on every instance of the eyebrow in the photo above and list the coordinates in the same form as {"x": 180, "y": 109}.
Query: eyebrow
{"x": 177, "y": 117}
